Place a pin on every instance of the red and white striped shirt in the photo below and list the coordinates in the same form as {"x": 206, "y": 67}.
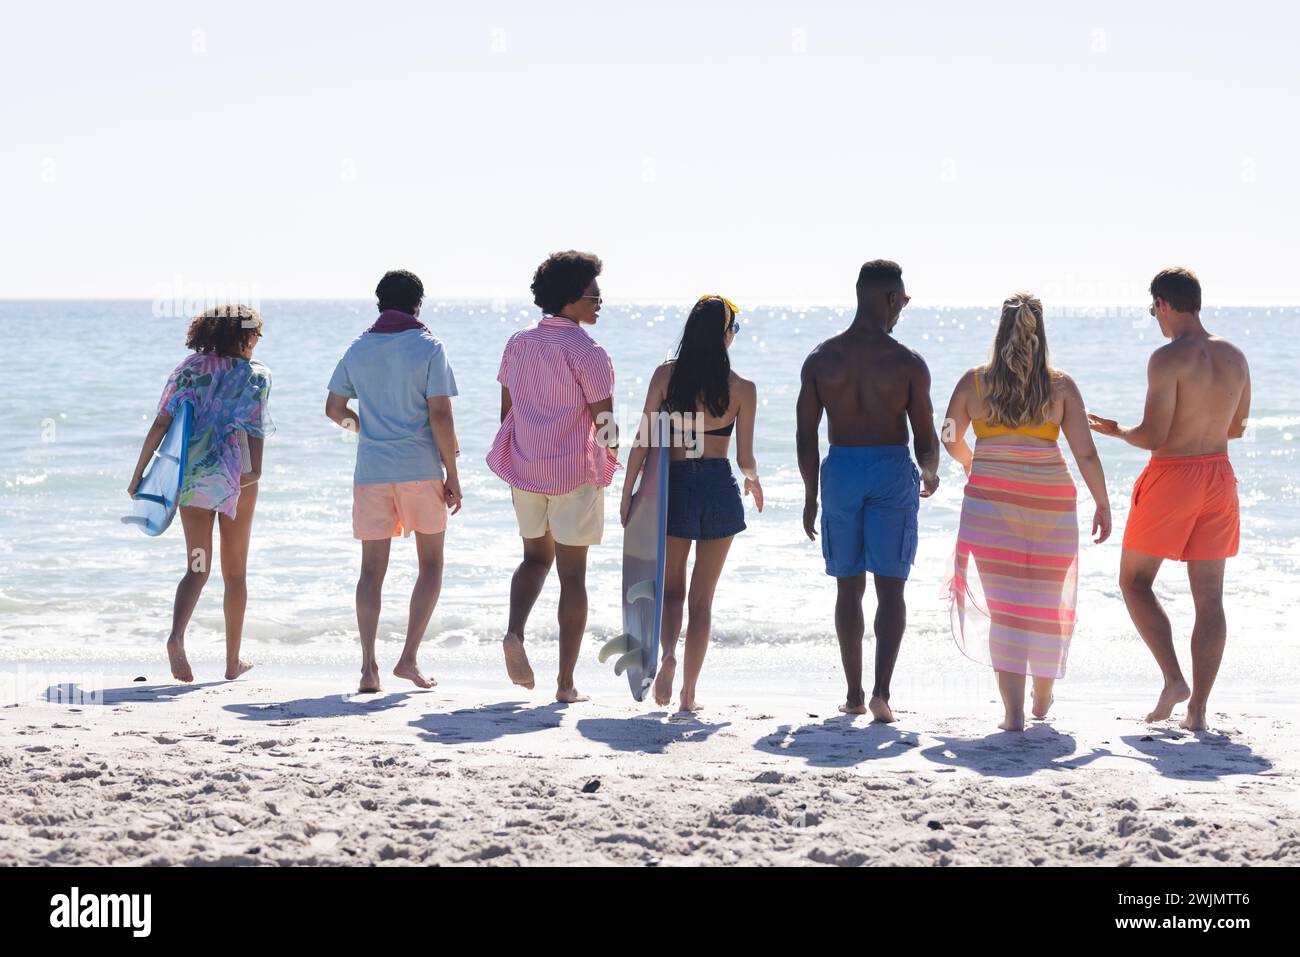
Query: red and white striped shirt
{"x": 547, "y": 442}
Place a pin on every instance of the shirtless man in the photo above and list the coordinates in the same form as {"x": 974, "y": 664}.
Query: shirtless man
{"x": 1185, "y": 501}
{"x": 870, "y": 387}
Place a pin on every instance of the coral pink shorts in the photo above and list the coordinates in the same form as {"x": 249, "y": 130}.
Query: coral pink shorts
{"x": 389, "y": 509}
{"x": 1185, "y": 508}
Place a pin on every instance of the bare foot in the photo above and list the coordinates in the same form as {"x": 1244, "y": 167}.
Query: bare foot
{"x": 1040, "y": 711}
{"x": 664, "y": 681}
{"x": 847, "y": 708}
{"x": 570, "y": 696}
{"x": 689, "y": 704}
{"x": 369, "y": 679}
{"x": 517, "y": 666}
{"x": 880, "y": 710}
{"x": 411, "y": 672}
{"x": 240, "y": 667}
{"x": 1195, "y": 720}
{"x": 1013, "y": 722}
{"x": 181, "y": 670}
{"x": 1170, "y": 695}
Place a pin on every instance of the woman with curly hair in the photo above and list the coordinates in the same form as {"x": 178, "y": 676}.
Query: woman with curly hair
{"x": 557, "y": 450}
{"x": 227, "y": 391}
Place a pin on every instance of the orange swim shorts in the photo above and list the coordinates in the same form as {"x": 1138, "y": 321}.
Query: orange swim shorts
{"x": 1184, "y": 507}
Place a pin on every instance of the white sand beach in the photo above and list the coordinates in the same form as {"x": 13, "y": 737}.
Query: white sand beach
{"x": 274, "y": 769}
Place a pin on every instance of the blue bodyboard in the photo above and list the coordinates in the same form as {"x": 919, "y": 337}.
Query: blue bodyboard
{"x": 636, "y": 651}
{"x": 157, "y": 496}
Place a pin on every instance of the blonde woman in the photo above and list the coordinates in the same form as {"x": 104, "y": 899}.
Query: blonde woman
{"x": 1014, "y": 609}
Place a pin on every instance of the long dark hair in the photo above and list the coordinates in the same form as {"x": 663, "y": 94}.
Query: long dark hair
{"x": 701, "y": 368}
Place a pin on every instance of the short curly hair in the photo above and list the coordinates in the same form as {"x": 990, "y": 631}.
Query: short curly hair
{"x": 224, "y": 330}
{"x": 563, "y": 279}
{"x": 400, "y": 289}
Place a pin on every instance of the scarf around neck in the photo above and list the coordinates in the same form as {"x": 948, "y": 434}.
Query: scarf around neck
{"x": 391, "y": 320}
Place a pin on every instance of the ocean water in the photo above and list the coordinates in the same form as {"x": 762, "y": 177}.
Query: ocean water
{"x": 83, "y": 378}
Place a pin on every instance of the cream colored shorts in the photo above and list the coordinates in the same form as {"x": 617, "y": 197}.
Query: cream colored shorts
{"x": 574, "y": 518}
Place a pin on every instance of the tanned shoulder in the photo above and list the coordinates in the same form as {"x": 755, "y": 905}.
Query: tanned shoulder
{"x": 1232, "y": 346}
{"x": 914, "y": 358}
{"x": 1169, "y": 356}
{"x": 1065, "y": 385}
{"x": 741, "y": 384}
{"x": 820, "y": 354}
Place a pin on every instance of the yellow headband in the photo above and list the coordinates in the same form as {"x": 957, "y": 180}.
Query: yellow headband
{"x": 729, "y": 304}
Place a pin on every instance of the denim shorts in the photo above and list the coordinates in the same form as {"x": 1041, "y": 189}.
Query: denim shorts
{"x": 703, "y": 500}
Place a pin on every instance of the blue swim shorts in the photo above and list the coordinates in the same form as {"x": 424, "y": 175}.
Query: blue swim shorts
{"x": 870, "y": 499}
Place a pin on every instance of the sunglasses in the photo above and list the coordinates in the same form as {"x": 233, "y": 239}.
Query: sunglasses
{"x": 599, "y": 300}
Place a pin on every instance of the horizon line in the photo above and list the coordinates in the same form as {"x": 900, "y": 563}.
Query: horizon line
{"x": 810, "y": 303}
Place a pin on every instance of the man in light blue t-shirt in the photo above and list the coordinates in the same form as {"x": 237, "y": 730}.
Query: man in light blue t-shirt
{"x": 405, "y": 479}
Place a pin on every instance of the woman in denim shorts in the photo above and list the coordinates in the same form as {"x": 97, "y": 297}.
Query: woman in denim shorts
{"x": 706, "y": 401}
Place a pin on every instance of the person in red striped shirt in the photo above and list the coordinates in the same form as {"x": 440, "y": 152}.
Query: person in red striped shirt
{"x": 557, "y": 450}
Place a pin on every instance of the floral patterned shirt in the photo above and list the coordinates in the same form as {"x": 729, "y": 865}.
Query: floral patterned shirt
{"x": 229, "y": 395}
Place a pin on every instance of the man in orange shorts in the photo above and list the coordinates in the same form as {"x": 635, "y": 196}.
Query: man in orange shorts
{"x": 1184, "y": 504}
{"x": 398, "y": 373}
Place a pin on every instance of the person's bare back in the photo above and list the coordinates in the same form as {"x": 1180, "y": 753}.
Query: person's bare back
{"x": 1210, "y": 381}
{"x": 1198, "y": 397}
{"x": 864, "y": 381}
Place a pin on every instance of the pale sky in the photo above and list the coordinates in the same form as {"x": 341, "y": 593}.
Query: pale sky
{"x": 760, "y": 150}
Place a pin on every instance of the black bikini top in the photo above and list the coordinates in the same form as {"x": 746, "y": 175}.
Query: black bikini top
{"x": 722, "y": 430}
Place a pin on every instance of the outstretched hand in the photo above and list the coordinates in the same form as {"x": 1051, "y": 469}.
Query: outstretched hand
{"x": 1103, "y": 426}
{"x": 810, "y": 519}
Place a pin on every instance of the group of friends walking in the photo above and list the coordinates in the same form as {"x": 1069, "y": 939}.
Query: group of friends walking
{"x": 1012, "y": 581}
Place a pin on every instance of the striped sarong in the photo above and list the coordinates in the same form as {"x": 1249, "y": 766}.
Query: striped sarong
{"x": 1012, "y": 607}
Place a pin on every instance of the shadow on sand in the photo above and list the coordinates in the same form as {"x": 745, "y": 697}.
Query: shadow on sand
{"x": 329, "y": 706}
{"x": 488, "y": 722}
{"x": 837, "y": 742}
{"x": 1201, "y": 755}
{"x": 74, "y": 695}
{"x": 648, "y": 734}
{"x": 1013, "y": 754}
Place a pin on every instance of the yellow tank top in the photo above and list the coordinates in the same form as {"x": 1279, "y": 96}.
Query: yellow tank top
{"x": 1048, "y": 430}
